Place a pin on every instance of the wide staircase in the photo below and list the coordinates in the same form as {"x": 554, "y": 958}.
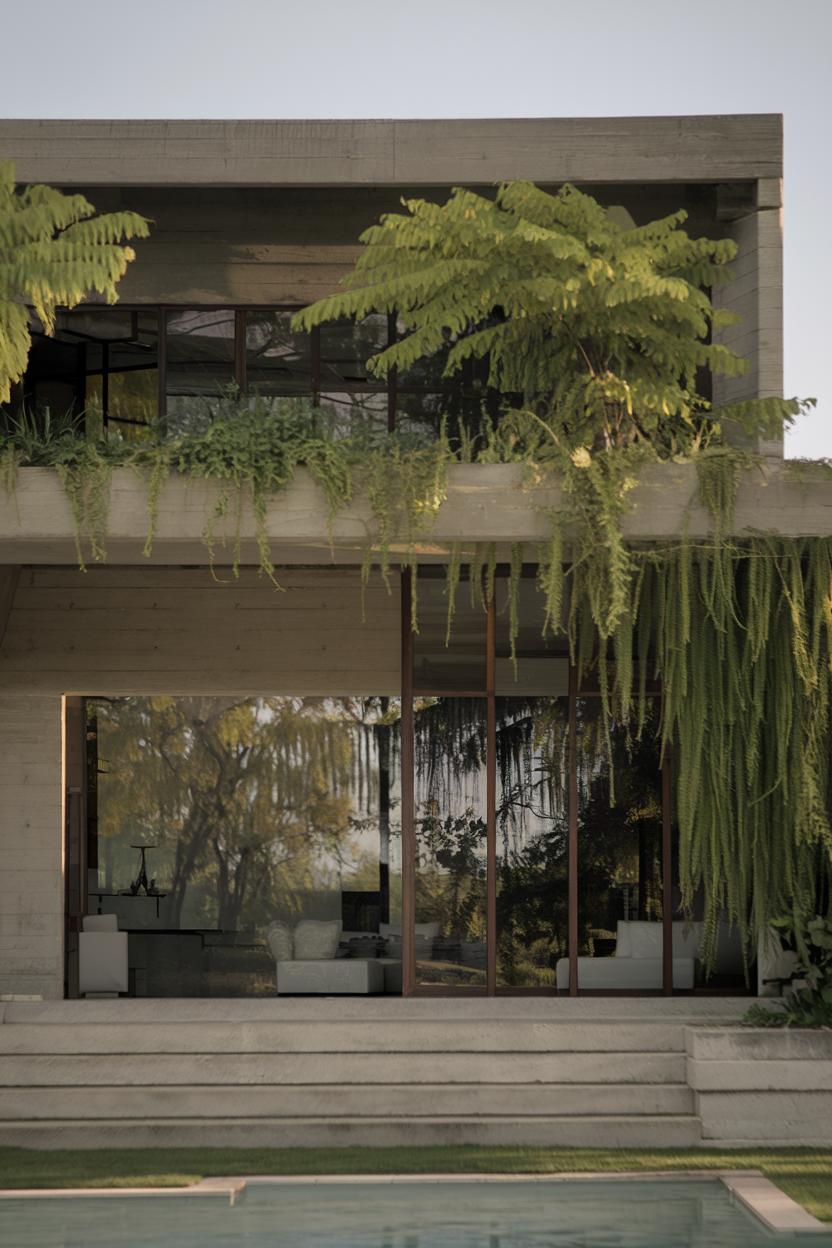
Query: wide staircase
{"x": 346, "y": 1071}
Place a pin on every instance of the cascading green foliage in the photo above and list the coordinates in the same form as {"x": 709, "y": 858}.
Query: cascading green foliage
{"x": 249, "y": 449}
{"x": 54, "y": 251}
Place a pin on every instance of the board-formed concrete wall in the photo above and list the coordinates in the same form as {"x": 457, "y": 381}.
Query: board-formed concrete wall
{"x": 755, "y": 295}
{"x": 31, "y": 846}
{"x": 767, "y": 1086}
{"x": 114, "y": 630}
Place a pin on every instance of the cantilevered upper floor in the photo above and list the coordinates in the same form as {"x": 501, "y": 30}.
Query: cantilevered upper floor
{"x": 252, "y": 219}
{"x": 267, "y": 213}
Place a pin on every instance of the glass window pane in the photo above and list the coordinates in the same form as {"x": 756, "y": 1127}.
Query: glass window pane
{"x": 128, "y": 360}
{"x": 450, "y": 934}
{"x": 420, "y": 413}
{"x": 350, "y": 413}
{"x": 55, "y": 376}
{"x": 278, "y": 359}
{"x": 97, "y": 352}
{"x": 200, "y": 365}
{"x": 532, "y": 842}
{"x": 345, "y": 349}
{"x": 253, "y": 812}
{"x": 542, "y": 663}
{"x": 620, "y": 859}
{"x": 458, "y": 666}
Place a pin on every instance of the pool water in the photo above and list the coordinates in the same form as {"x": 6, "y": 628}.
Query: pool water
{"x": 524, "y": 1214}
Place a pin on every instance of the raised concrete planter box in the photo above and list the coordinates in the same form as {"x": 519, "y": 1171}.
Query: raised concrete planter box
{"x": 762, "y": 1085}
{"x": 484, "y": 503}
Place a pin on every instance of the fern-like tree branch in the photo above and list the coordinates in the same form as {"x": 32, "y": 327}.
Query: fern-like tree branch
{"x": 54, "y": 252}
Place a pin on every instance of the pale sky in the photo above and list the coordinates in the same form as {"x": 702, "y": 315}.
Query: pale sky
{"x": 464, "y": 58}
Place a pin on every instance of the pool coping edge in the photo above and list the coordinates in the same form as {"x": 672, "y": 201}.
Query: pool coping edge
{"x": 768, "y": 1203}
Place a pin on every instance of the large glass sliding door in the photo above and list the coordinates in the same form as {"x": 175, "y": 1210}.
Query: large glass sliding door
{"x": 539, "y": 851}
{"x": 619, "y": 854}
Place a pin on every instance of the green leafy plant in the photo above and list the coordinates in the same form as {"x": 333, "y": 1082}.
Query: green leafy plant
{"x": 54, "y": 251}
{"x": 599, "y": 328}
{"x": 808, "y": 998}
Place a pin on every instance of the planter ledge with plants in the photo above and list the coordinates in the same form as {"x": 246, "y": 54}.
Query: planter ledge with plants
{"x": 772, "y": 1078}
{"x": 481, "y": 502}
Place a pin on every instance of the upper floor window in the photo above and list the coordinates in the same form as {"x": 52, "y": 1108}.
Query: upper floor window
{"x": 124, "y": 369}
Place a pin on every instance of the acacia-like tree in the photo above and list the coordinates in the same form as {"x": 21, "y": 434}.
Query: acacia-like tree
{"x": 604, "y": 331}
{"x": 54, "y": 251}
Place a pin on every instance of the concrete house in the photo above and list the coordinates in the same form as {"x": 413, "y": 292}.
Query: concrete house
{"x": 262, "y": 819}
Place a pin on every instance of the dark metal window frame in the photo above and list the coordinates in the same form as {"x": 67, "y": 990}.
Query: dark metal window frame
{"x": 393, "y": 386}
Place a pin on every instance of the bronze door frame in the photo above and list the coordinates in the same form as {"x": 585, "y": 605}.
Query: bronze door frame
{"x": 409, "y": 985}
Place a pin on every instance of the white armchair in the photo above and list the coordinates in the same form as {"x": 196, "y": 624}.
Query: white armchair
{"x": 102, "y": 956}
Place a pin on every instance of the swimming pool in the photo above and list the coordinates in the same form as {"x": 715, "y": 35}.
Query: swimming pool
{"x": 396, "y": 1214}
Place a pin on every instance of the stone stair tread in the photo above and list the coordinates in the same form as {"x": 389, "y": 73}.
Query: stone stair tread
{"x": 655, "y": 1131}
{"x": 412, "y": 1036}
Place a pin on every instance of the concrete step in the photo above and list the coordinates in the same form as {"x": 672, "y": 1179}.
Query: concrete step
{"x": 356, "y": 1101}
{"x": 326, "y": 1011}
{"x": 379, "y": 1036}
{"x": 431, "y": 1067}
{"x": 611, "y": 1131}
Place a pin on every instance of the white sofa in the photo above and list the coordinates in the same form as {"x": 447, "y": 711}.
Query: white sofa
{"x": 307, "y": 962}
{"x": 637, "y": 962}
{"x": 330, "y": 976}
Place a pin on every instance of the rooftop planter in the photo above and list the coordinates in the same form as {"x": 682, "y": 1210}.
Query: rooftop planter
{"x": 483, "y": 503}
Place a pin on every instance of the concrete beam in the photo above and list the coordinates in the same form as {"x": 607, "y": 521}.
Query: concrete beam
{"x": 485, "y": 503}
{"x": 741, "y": 147}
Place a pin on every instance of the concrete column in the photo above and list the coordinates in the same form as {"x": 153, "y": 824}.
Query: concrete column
{"x": 31, "y": 847}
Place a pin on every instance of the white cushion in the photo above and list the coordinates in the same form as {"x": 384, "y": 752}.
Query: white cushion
{"x": 100, "y": 922}
{"x": 643, "y": 938}
{"x": 316, "y": 939}
{"x": 623, "y": 943}
{"x": 280, "y": 941}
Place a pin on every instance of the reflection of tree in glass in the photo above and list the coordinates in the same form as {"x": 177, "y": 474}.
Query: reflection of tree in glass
{"x": 251, "y": 801}
{"x": 451, "y": 875}
{"x": 620, "y": 826}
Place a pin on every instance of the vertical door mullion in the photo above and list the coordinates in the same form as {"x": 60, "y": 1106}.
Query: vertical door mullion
{"x": 667, "y": 874}
{"x": 315, "y": 362}
{"x": 392, "y": 376}
{"x": 162, "y": 364}
{"x": 572, "y": 854}
{"x": 105, "y": 385}
{"x": 240, "y": 350}
{"x": 75, "y": 867}
{"x": 408, "y": 763}
{"x": 491, "y": 801}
